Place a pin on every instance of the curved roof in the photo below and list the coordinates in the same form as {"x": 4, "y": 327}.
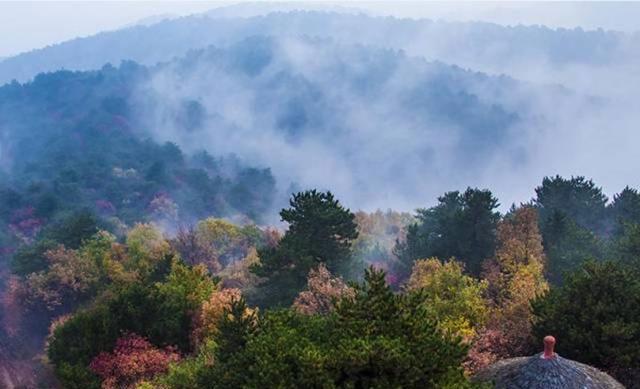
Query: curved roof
{"x": 538, "y": 372}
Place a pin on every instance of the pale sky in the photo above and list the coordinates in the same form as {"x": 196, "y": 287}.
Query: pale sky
{"x": 27, "y": 25}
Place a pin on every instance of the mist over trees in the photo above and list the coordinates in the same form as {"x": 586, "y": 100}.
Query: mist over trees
{"x": 315, "y": 199}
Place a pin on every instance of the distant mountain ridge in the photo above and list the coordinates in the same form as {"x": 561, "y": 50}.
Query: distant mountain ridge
{"x": 482, "y": 46}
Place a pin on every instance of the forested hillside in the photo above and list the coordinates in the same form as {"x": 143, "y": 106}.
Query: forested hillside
{"x": 247, "y": 100}
{"x": 71, "y": 142}
{"x": 316, "y": 199}
{"x": 220, "y": 304}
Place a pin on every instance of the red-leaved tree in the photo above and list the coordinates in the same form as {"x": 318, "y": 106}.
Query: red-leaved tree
{"x": 133, "y": 359}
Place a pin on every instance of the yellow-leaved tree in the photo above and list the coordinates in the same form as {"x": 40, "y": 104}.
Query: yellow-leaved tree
{"x": 455, "y": 299}
{"x": 515, "y": 277}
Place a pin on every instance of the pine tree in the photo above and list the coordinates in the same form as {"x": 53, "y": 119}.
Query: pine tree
{"x": 461, "y": 226}
{"x": 320, "y": 232}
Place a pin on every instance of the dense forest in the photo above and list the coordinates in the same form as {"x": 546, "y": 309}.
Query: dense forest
{"x": 316, "y": 199}
{"x": 337, "y": 299}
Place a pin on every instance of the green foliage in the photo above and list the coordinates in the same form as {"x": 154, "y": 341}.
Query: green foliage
{"x": 77, "y": 376}
{"x": 578, "y": 198}
{"x": 567, "y": 246}
{"x": 626, "y": 244}
{"x": 320, "y": 231}
{"x": 176, "y": 301}
{"x": 391, "y": 340}
{"x": 31, "y": 258}
{"x": 375, "y": 340}
{"x": 146, "y": 246}
{"x": 462, "y": 226}
{"x": 72, "y": 230}
{"x": 161, "y": 312}
{"x": 373, "y": 337}
{"x": 76, "y": 161}
{"x": 235, "y": 328}
{"x": 185, "y": 374}
{"x": 285, "y": 353}
{"x": 624, "y": 209}
{"x": 595, "y": 316}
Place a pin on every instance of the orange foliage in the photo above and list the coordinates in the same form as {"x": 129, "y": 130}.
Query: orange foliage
{"x": 322, "y": 291}
{"x": 516, "y": 277}
{"x": 70, "y": 275}
{"x": 211, "y": 312}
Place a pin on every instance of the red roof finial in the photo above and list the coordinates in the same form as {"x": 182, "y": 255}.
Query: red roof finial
{"x": 549, "y": 344}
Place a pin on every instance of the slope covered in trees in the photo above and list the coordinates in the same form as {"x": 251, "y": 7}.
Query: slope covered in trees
{"x": 138, "y": 246}
{"x": 186, "y": 305}
{"x": 71, "y": 146}
{"x": 65, "y": 129}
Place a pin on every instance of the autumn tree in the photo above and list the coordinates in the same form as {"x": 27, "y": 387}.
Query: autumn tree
{"x": 515, "y": 277}
{"x": 223, "y": 238}
{"x": 217, "y": 242}
{"x": 146, "y": 248}
{"x": 323, "y": 290}
{"x": 377, "y": 233}
{"x": 132, "y": 360}
{"x": 239, "y": 275}
{"x": 210, "y": 314}
{"x": 162, "y": 312}
{"x": 516, "y": 273}
{"x": 71, "y": 276}
{"x": 192, "y": 250}
{"x": 454, "y": 299}
{"x": 320, "y": 231}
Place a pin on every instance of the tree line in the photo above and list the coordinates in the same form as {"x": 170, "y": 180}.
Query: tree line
{"x": 446, "y": 292}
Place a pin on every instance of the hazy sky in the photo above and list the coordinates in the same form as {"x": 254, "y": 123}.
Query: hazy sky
{"x": 29, "y": 25}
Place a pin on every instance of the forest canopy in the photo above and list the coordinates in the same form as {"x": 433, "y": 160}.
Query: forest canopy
{"x": 227, "y": 305}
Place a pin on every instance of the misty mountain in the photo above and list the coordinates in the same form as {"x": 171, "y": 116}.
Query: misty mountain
{"x": 168, "y": 189}
{"x": 351, "y": 118}
{"x": 107, "y": 139}
{"x": 70, "y": 144}
{"x": 521, "y": 51}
